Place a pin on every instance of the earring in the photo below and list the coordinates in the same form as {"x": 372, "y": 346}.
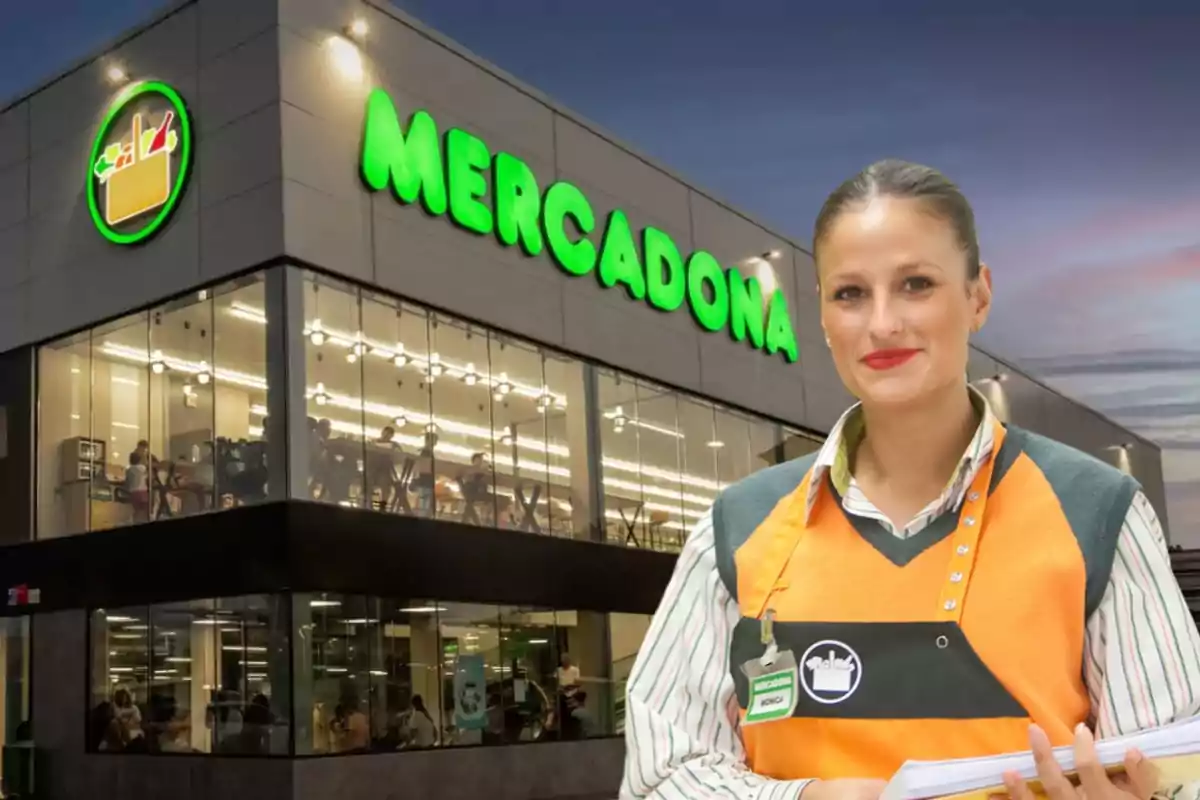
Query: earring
{"x": 828, "y": 343}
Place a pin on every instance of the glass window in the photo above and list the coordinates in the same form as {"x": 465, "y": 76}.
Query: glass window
{"x": 70, "y": 461}
{"x": 626, "y": 634}
{"x": 122, "y": 363}
{"x": 731, "y": 444}
{"x": 120, "y": 679}
{"x": 796, "y": 443}
{"x": 500, "y": 683}
{"x": 766, "y": 444}
{"x": 522, "y": 463}
{"x": 155, "y": 415}
{"x": 368, "y": 675}
{"x": 334, "y": 353}
{"x": 239, "y": 391}
{"x": 463, "y": 464}
{"x": 203, "y": 676}
{"x": 180, "y": 452}
{"x": 562, "y": 376}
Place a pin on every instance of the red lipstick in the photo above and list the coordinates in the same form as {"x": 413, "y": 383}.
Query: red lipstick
{"x": 888, "y": 359}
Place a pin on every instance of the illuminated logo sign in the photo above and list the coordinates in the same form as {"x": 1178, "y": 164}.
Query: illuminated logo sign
{"x": 140, "y": 162}
{"x": 498, "y": 194}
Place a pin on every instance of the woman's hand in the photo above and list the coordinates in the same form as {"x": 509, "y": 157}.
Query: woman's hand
{"x": 1138, "y": 782}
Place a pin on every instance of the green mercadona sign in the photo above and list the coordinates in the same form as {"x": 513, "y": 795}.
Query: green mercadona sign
{"x": 496, "y": 193}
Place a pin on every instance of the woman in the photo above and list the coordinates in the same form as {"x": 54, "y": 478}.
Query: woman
{"x": 846, "y": 571}
{"x": 422, "y": 732}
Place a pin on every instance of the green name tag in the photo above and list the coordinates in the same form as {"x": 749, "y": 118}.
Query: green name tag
{"x": 773, "y": 692}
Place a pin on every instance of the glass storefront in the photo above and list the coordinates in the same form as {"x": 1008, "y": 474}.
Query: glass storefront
{"x": 204, "y": 676}
{"x": 155, "y": 415}
{"x": 406, "y": 410}
{"x": 331, "y": 674}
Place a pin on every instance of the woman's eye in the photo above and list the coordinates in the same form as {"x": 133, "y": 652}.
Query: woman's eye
{"x": 917, "y": 283}
{"x": 847, "y": 293}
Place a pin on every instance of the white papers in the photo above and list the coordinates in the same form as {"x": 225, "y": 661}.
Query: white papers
{"x": 917, "y": 780}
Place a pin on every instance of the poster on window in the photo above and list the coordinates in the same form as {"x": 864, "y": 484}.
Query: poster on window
{"x": 470, "y": 694}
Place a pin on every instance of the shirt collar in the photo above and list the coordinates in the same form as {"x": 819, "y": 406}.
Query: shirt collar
{"x": 834, "y": 456}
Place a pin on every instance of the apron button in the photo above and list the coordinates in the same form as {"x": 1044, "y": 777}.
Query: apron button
{"x": 942, "y": 642}
{"x": 973, "y": 496}
{"x": 950, "y": 605}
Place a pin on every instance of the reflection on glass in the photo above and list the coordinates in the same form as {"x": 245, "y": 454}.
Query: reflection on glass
{"x": 239, "y": 380}
{"x": 153, "y": 416}
{"x": 334, "y": 353}
{"x": 626, "y": 633}
{"x": 463, "y": 473}
{"x": 202, "y": 676}
{"x": 500, "y": 674}
{"x": 797, "y": 443}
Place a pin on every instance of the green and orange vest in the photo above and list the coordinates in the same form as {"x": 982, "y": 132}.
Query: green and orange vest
{"x": 943, "y": 645}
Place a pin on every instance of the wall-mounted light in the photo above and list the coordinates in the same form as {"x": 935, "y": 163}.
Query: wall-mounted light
{"x": 400, "y": 359}
{"x": 345, "y": 57}
{"x": 470, "y": 376}
{"x": 204, "y": 375}
{"x": 400, "y": 421}
{"x": 358, "y": 29}
{"x": 772, "y": 255}
{"x": 1000, "y": 377}
{"x": 116, "y": 74}
{"x": 157, "y": 365}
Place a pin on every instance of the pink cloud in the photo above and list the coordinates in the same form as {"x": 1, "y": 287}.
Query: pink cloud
{"x": 1151, "y": 272}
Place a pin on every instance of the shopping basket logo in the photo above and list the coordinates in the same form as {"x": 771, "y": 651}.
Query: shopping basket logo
{"x": 140, "y": 164}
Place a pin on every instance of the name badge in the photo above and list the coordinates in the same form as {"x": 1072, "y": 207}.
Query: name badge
{"x": 773, "y": 689}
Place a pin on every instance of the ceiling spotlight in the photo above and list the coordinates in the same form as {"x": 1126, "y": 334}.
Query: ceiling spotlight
{"x": 772, "y": 255}
{"x": 115, "y": 74}
{"x": 1000, "y": 377}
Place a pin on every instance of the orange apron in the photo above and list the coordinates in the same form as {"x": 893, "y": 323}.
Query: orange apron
{"x": 947, "y": 650}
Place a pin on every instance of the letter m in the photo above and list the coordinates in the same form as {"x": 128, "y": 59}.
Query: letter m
{"x": 411, "y": 164}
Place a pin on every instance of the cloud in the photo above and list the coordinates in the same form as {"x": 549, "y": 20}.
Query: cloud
{"x": 1152, "y": 272}
{"x": 1113, "y": 363}
{"x": 1152, "y": 410}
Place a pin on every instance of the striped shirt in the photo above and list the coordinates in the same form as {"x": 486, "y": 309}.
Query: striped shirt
{"x": 1142, "y": 664}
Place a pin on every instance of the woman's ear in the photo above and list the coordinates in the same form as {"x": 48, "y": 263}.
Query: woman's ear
{"x": 981, "y": 298}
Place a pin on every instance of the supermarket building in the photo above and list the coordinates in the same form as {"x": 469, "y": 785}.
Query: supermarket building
{"x": 340, "y": 369}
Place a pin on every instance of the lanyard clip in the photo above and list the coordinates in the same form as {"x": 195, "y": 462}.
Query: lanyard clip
{"x": 768, "y": 638}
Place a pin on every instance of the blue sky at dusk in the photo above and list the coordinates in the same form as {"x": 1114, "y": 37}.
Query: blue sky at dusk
{"x": 1072, "y": 126}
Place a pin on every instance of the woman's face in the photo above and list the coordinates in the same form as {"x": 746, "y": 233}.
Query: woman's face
{"x": 896, "y": 303}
